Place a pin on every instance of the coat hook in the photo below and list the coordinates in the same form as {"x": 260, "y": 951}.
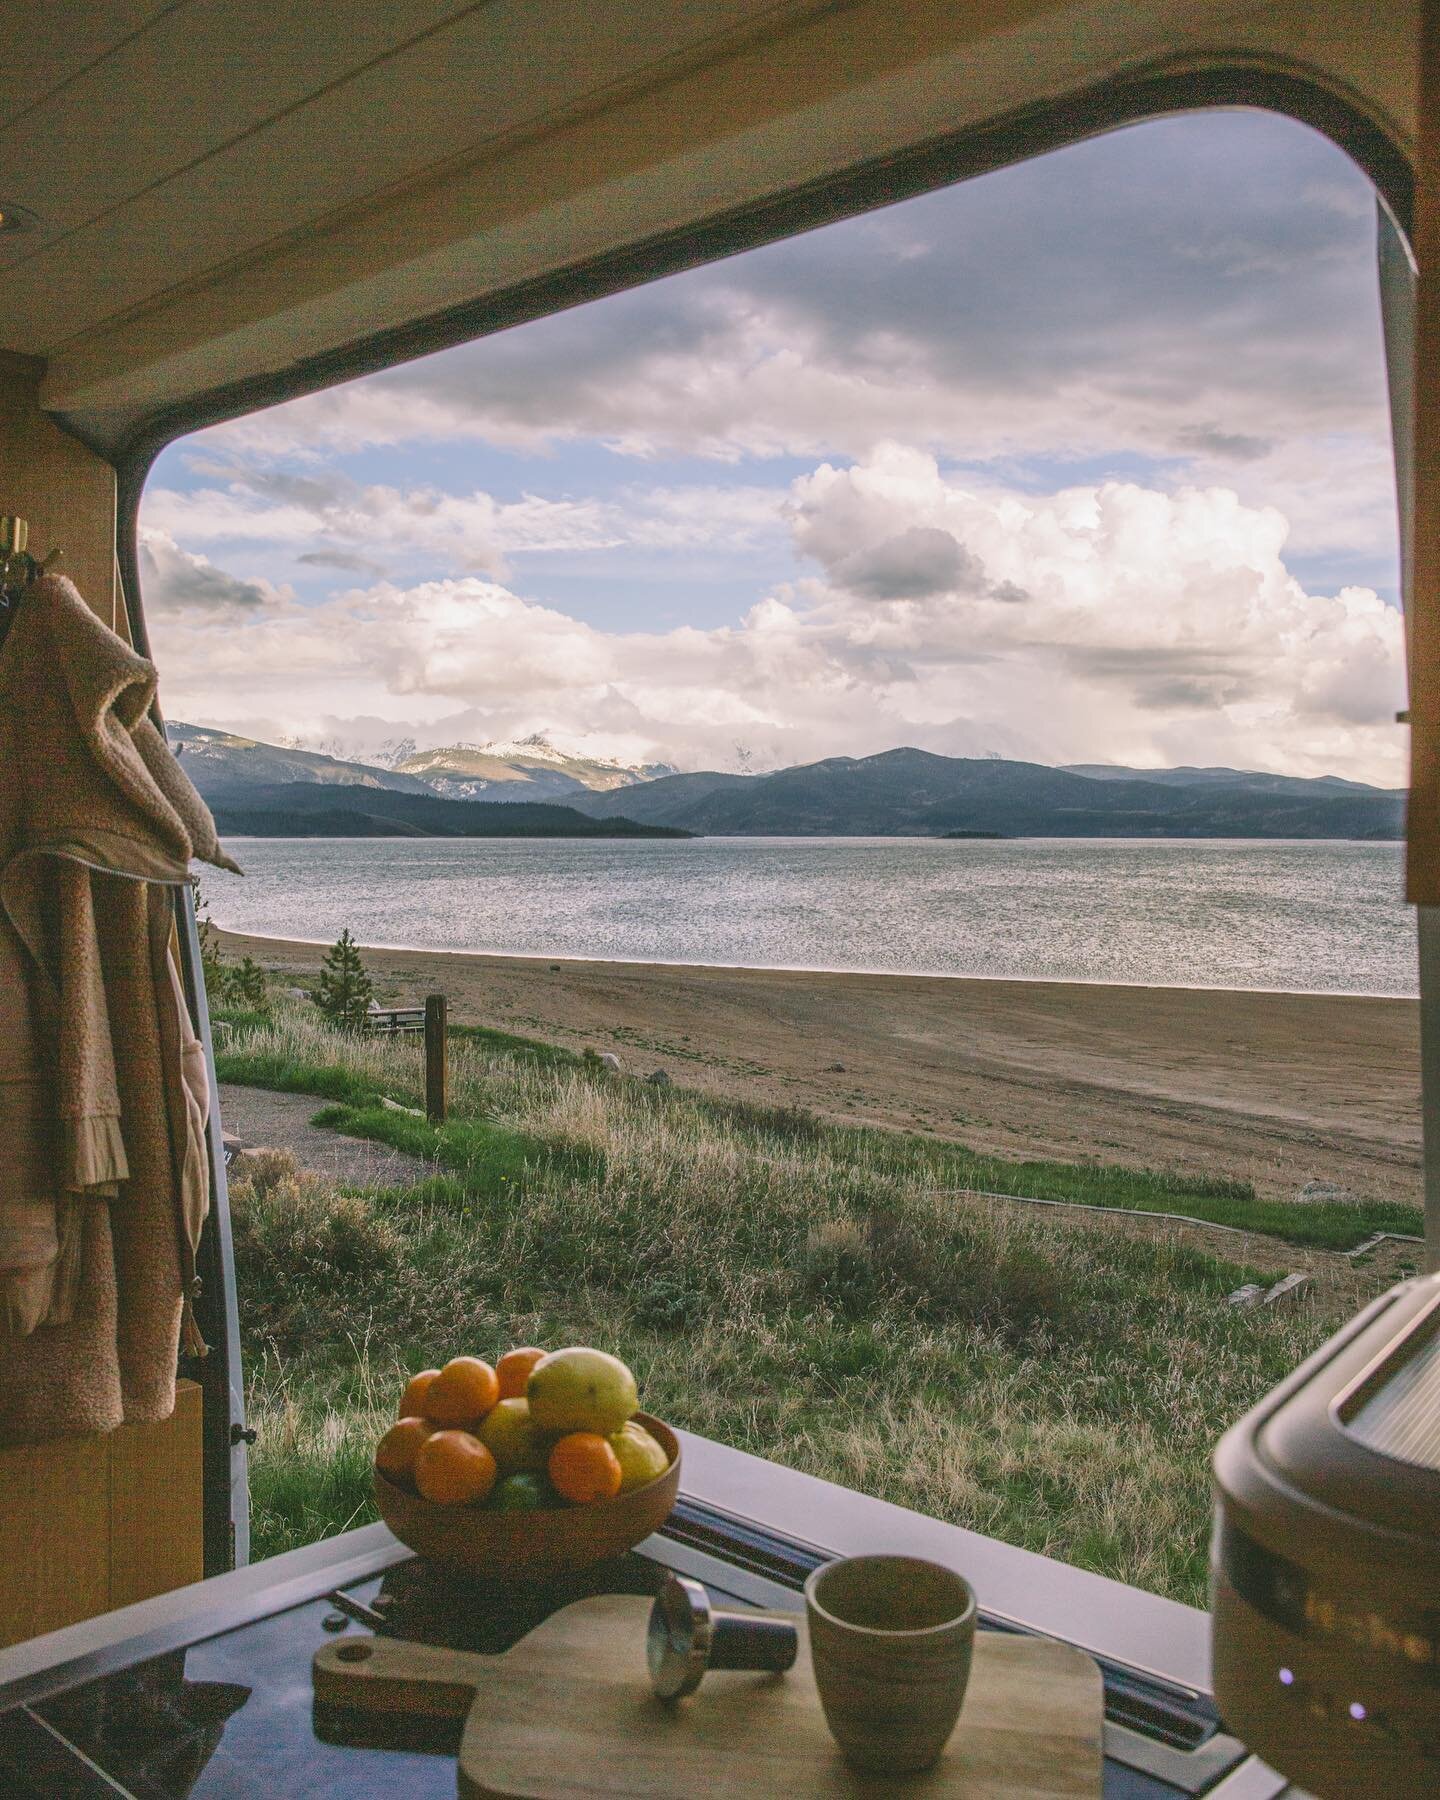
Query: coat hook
{"x": 17, "y": 566}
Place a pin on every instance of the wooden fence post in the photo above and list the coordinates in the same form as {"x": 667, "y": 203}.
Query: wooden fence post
{"x": 436, "y": 1059}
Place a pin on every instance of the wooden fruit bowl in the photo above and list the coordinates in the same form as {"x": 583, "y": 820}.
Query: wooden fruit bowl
{"x": 505, "y": 1548}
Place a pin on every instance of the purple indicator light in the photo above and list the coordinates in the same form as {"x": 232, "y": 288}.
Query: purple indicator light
{"x": 1287, "y": 1678}
{"x": 1357, "y": 1711}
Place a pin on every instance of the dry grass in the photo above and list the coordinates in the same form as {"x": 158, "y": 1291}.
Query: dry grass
{"x": 802, "y": 1293}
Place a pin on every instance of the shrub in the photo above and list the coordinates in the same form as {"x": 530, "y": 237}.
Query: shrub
{"x": 344, "y": 991}
{"x": 306, "y": 1255}
{"x": 839, "y": 1267}
{"x": 245, "y": 987}
{"x": 212, "y": 964}
{"x": 666, "y": 1304}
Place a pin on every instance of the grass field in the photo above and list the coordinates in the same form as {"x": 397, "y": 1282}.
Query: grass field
{"x": 805, "y": 1292}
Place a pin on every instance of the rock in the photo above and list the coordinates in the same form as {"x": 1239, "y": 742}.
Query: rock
{"x": 554, "y": 968}
{"x": 395, "y": 1106}
{"x": 834, "y": 1068}
{"x": 1245, "y": 1296}
{"x": 1326, "y": 1190}
{"x": 659, "y": 1078}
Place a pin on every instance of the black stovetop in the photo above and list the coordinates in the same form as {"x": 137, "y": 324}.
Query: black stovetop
{"x": 232, "y": 1717}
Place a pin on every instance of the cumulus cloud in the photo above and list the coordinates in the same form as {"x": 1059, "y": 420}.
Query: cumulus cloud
{"x": 1156, "y": 628}
{"x": 173, "y": 579}
{"x": 914, "y": 564}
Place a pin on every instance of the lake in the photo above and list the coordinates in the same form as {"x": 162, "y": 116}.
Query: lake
{"x": 1318, "y": 917}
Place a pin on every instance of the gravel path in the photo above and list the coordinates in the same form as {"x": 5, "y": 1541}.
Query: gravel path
{"x": 260, "y": 1119}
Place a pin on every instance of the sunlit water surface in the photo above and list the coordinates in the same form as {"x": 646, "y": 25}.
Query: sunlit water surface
{"x": 1317, "y": 916}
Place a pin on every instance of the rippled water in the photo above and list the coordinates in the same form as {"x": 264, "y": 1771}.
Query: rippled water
{"x": 1323, "y": 917}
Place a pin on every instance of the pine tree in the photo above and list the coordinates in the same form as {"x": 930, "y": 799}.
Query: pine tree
{"x": 245, "y": 986}
{"x": 344, "y": 991}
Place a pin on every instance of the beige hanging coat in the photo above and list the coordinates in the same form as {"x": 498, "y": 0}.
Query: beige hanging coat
{"x": 103, "y": 1092}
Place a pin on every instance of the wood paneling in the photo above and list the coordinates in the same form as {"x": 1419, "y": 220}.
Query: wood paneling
{"x": 54, "y": 1526}
{"x": 91, "y": 1523}
{"x": 86, "y": 1523}
{"x": 63, "y": 489}
{"x": 157, "y": 1503}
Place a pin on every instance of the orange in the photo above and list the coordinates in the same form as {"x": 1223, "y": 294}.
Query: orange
{"x": 412, "y": 1402}
{"x": 513, "y": 1370}
{"x": 462, "y": 1393}
{"x": 583, "y": 1467}
{"x": 453, "y": 1468}
{"x": 396, "y": 1452}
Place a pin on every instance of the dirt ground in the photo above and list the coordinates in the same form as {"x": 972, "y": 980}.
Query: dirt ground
{"x": 1278, "y": 1089}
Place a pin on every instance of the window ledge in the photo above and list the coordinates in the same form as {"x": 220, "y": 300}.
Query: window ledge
{"x": 1122, "y": 1624}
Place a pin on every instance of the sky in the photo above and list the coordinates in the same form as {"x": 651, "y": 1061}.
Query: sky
{"x": 1086, "y": 460}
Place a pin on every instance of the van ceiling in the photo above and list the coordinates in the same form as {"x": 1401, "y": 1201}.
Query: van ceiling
{"x": 216, "y": 189}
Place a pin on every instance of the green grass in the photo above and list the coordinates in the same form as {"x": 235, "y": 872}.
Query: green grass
{"x": 531, "y": 1050}
{"x": 805, "y": 1293}
{"x": 485, "y": 1154}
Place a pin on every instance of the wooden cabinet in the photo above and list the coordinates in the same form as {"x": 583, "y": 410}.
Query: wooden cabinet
{"x": 91, "y": 1523}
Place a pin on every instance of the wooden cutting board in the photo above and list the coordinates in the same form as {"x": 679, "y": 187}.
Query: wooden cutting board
{"x": 569, "y": 1711}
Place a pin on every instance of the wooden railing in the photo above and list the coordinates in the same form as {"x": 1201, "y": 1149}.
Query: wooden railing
{"x": 393, "y": 1020}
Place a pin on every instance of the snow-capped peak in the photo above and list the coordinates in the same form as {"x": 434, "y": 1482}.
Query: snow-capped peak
{"x": 537, "y": 747}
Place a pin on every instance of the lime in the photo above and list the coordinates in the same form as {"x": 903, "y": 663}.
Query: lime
{"x": 518, "y": 1493}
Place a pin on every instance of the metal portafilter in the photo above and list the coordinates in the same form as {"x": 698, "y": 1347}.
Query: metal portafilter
{"x": 687, "y": 1637}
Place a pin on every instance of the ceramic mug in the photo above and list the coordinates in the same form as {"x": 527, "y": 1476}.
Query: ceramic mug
{"x": 891, "y": 1639}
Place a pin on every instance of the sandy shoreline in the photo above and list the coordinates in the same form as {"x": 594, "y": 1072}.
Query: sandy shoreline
{"x": 1280, "y": 1089}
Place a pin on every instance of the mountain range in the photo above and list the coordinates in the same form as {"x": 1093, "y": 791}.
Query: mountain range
{"x": 904, "y": 793}
{"x": 219, "y": 762}
{"x": 526, "y": 769}
{"x": 324, "y": 809}
{"x": 267, "y": 789}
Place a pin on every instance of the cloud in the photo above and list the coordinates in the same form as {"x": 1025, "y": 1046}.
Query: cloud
{"x": 342, "y": 525}
{"x": 173, "y": 579}
{"x": 369, "y": 530}
{"x": 341, "y": 559}
{"x": 1156, "y": 628}
{"x": 1199, "y": 291}
{"x": 1230, "y": 446}
{"x": 915, "y": 564}
{"x": 1085, "y": 460}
